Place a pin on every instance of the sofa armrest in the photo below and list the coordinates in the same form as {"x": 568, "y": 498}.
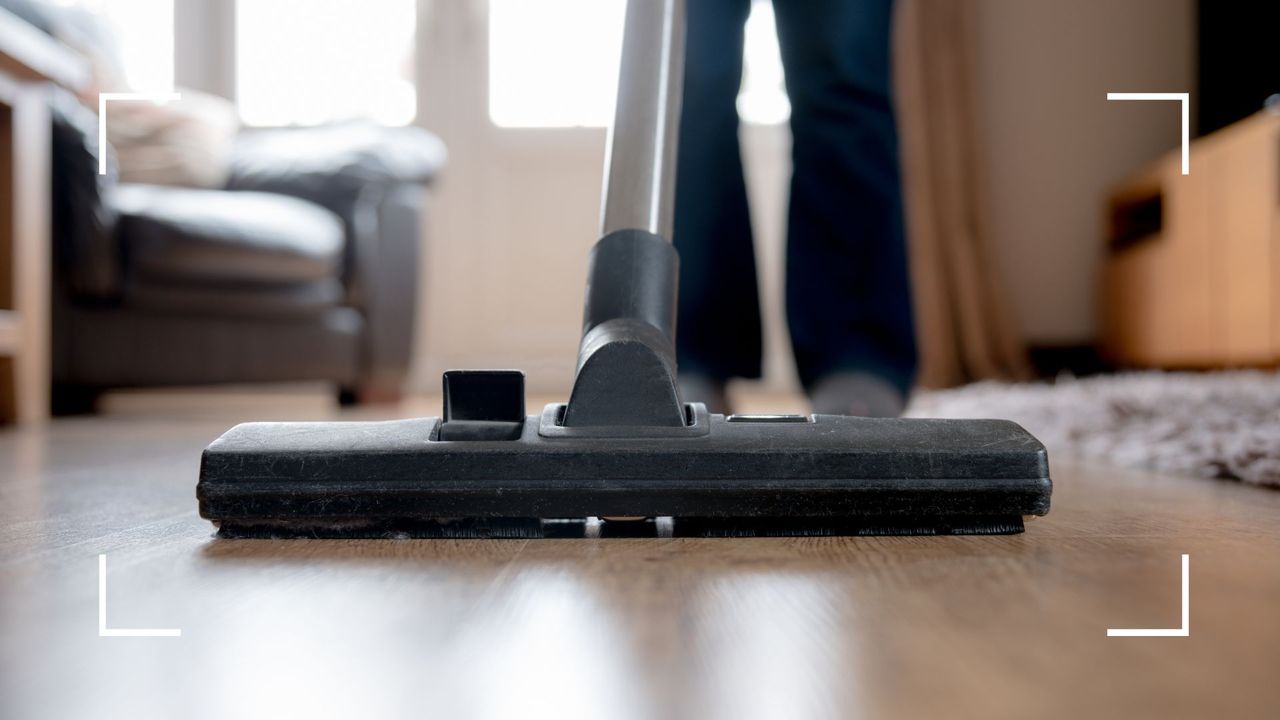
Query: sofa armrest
{"x": 383, "y": 282}
{"x": 86, "y": 252}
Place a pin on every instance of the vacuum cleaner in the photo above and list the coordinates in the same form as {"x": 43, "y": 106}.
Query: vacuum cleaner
{"x": 625, "y": 455}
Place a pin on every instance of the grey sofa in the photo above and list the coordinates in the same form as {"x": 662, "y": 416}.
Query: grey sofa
{"x": 304, "y": 267}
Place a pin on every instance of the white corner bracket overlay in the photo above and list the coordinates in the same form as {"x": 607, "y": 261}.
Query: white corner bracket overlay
{"x": 1184, "y": 631}
{"x": 103, "y": 98}
{"x": 1185, "y": 99}
{"x": 104, "y": 631}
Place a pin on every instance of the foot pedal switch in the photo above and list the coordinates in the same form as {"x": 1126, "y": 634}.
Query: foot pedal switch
{"x": 483, "y": 405}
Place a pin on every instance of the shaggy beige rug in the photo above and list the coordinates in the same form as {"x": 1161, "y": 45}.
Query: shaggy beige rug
{"x": 1221, "y": 424}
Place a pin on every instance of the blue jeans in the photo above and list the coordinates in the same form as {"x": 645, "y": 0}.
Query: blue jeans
{"x": 847, "y": 291}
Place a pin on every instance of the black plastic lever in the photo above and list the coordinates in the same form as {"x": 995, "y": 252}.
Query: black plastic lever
{"x": 483, "y": 405}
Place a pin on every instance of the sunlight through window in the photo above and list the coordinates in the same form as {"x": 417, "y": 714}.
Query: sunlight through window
{"x": 554, "y": 63}
{"x": 139, "y": 40}
{"x": 763, "y": 98}
{"x": 307, "y": 62}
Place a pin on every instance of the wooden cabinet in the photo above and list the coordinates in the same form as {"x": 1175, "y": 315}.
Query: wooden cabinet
{"x": 29, "y": 63}
{"x": 1193, "y": 266}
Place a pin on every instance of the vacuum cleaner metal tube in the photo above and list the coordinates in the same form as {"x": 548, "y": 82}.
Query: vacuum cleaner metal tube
{"x": 640, "y": 163}
{"x": 626, "y": 361}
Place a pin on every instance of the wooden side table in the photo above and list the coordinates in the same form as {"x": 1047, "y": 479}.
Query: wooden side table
{"x": 29, "y": 63}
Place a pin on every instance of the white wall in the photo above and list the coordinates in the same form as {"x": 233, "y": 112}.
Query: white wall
{"x": 1054, "y": 144}
{"x": 204, "y": 45}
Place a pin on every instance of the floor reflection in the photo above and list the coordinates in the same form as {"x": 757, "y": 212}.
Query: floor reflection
{"x": 771, "y": 647}
{"x": 547, "y": 647}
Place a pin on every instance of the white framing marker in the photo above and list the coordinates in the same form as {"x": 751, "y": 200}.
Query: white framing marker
{"x": 104, "y": 631}
{"x": 1185, "y": 99}
{"x": 162, "y": 97}
{"x": 1184, "y": 631}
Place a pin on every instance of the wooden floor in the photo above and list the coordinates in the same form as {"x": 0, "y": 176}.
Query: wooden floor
{"x": 987, "y": 627}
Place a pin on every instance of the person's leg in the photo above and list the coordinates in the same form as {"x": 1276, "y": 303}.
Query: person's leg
{"x": 718, "y": 328}
{"x": 848, "y": 297}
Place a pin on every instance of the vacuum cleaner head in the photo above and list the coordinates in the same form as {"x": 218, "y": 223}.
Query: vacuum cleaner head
{"x": 625, "y": 447}
{"x": 484, "y": 471}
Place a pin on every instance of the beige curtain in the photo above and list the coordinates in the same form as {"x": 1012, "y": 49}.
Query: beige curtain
{"x": 963, "y": 319}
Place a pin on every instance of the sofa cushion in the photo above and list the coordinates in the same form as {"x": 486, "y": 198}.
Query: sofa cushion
{"x": 217, "y": 237}
{"x": 258, "y": 301}
{"x": 108, "y": 348}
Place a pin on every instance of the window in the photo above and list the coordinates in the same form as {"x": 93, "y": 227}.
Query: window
{"x": 307, "y": 62}
{"x": 763, "y": 99}
{"x": 140, "y": 39}
{"x": 554, "y": 63}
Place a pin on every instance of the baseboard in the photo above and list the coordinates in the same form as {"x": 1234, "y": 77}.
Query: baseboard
{"x": 1050, "y": 361}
